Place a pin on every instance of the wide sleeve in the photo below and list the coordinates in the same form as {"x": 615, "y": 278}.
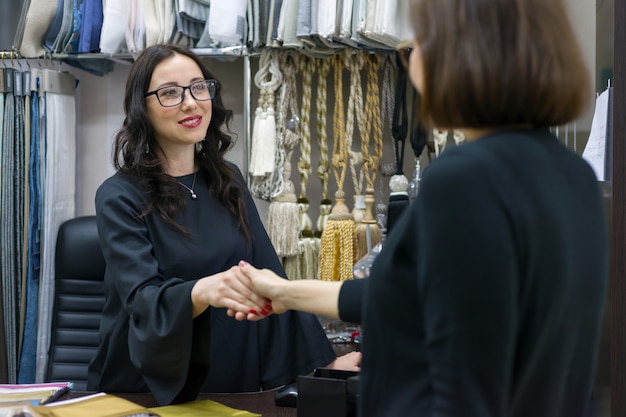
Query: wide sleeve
{"x": 269, "y": 353}
{"x": 158, "y": 308}
{"x": 350, "y": 300}
{"x": 468, "y": 291}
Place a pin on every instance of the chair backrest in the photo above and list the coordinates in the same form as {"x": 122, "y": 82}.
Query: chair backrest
{"x": 78, "y": 301}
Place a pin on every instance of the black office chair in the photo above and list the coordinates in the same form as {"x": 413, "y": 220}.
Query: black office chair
{"x": 78, "y": 301}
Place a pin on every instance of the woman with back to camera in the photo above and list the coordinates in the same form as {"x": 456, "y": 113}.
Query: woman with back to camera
{"x": 487, "y": 298}
{"x": 172, "y": 222}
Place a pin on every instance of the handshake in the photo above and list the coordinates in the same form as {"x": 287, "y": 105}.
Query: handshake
{"x": 252, "y": 294}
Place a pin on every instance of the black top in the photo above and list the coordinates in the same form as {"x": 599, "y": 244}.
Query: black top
{"x": 487, "y": 298}
{"x": 149, "y": 341}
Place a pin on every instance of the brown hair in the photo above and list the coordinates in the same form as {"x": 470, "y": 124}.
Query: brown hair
{"x": 135, "y": 144}
{"x": 496, "y": 63}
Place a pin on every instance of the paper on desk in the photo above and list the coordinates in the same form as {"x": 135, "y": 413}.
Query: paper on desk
{"x": 201, "y": 408}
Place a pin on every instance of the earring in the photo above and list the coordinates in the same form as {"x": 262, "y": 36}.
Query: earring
{"x": 199, "y": 146}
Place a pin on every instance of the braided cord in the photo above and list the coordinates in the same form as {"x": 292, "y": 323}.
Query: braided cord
{"x": 289, "y": 105}
{"x": 354, "y": 62}
{"x": 323, "y": 68}
{"x": 307, "y": 67}
{"x": 339, "y": 157}
{"x": 372, "y": 128}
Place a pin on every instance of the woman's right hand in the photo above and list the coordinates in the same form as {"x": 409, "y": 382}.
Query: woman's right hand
{"x": 230, "y": 289}
{"x": 265, "y": 284}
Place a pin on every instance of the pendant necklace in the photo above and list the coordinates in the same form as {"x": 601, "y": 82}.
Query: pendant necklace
{"x": 193, "y": 183}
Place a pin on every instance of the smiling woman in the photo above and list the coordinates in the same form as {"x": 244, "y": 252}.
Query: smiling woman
{"x": 165, "y": 329}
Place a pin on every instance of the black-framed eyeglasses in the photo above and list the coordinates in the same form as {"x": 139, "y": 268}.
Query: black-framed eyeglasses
{"x": 404, "y": 50}
{"x": 173, "y": 95}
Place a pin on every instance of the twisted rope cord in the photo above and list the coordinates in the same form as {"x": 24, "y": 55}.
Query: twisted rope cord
{"x": 388, "y": 92}
{"x": 337, "y": 241}
{"x": 304, "y": 164}
{"x": 354, "y": 62}
{"x": 268, "y": 79}
{"x": 323, "y": 68}
{"x": 289, "y": 104}
{"x": 372, "y": 125}
{"x": 340, "y": 152}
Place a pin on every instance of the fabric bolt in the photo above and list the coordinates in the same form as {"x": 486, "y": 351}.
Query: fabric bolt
{"x": 77, "y": 22}
{"x": 290, "y": 18}
{"x": 91, "y": 27}
{"x": 114, "y": 21}
{"x": 151, "y": 22}
{"x": 38, "y": 17}
{"x": 275, "y": 20}
{"x": 192, "y": 17}
{"x": 59, "y": 180}
{"x": 227, "y": 22}
{"x": 54, "y": 28}
{"x": 65, "y": 32}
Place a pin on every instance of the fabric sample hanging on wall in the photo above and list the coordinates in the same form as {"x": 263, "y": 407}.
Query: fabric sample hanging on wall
{"x": 8, "y": 260}
{"x": 59, "y": 173}
{"x": 28, "y": 353}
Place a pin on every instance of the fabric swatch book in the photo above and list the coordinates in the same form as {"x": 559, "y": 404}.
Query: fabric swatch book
{"x": 32, "y": 394}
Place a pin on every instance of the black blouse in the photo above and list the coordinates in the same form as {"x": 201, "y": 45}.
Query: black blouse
{"x": 148, "y": 339}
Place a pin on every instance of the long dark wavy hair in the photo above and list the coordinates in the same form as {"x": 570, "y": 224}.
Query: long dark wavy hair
{"x": 135, "y": 145}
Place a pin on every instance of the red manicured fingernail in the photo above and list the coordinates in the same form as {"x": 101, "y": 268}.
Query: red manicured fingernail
{"x": 267, "y": 307}
{"x": 264, "y": 313}
{"x": 253, "y": 311}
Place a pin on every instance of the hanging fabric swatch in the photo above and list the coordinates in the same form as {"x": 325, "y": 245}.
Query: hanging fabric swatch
{"x": 8, "y": 233}
{"x": 4, "y": 371}
{"x": 28, "y": 352}
{"x": 20, "y": 195}
{"x": 337, "y": 242}
{"x": 59, "y": 178}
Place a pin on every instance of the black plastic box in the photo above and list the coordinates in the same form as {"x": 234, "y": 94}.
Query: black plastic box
{"x": 328, "y": 392}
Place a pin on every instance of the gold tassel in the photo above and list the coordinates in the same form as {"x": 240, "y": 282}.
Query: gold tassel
{"x": 337, "y": 253}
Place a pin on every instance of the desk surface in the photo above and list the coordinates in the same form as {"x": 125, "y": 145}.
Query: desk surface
{"x": 255, "y": 402}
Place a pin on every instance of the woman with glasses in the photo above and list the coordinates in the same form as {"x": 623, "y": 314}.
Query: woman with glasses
{"x": 173, "y": 221}
{"x": 488, "y": 296}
